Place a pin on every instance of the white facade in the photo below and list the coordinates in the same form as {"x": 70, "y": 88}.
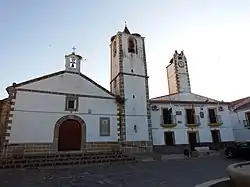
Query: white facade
{"x": 240, "y": 124}
{"x": 40, "y": 103}
{"x": 36, "y": 113}
{"x": 178, "y": 76}
{"x": 179, "y": 103}
{"x": 179, "y": 100}
{"x": 128, "y": 71}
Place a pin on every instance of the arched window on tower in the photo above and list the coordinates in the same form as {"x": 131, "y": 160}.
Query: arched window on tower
{"x": 114, "y": 49}
{"x": 132, "y": 45}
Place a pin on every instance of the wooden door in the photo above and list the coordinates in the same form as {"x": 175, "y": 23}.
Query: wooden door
{"x": 192, "y": 137}
{"x": 70, "y": 132}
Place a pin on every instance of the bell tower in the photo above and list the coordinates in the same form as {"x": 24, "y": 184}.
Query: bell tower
{"x": 73, "y": 62}
{"x": 129, "y": 80}
{"x": 177, "y": 73}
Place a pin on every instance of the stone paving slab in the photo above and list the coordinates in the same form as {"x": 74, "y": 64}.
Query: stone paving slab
{"x": 172, "y": 173}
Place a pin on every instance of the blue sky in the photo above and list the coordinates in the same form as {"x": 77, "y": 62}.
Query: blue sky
{"x": 213, "y": 34}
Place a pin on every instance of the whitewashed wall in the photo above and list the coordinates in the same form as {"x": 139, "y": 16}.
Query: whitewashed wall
{"x": 36, "y": 114}
{"x": 67, "y": 83}
{"x": 172, "y": 82}
{"x": 241, "y": 133}
{"x": 130, "y": 60}
{"x": 226, "y": 130}
{"x": 135, "y": 108}
{"x": 134, "y": 85}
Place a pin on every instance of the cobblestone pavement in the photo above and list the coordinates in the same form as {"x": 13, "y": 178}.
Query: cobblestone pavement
{"x": 170, "y": 173}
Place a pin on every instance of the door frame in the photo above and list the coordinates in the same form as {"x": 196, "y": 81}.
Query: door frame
{"x": 196, "y": 136}
{"x": 57, "y": 126}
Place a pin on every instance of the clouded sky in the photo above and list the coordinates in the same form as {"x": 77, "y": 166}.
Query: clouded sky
{"x": 35, "y": 36}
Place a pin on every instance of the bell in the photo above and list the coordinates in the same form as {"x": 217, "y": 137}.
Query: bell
{"x": 72, "y": 65}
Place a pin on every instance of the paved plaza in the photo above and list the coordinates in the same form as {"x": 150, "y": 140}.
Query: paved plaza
{"x": 168, "y": 173}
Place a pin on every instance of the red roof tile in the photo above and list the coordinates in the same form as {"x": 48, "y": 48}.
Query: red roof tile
{"x": 238, "y": 101}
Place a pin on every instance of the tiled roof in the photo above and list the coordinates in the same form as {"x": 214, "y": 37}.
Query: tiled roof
{"x": 200, "y": 99}
{"x": 240, "y": 104}
{"x": 163, "y": 96}
{"x": 244, "y": 106}
{"x": 238, "y": 101}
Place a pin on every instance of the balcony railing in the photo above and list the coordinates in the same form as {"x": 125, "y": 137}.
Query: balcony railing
{"x": 218, "y": 122}
{"x": 170, "y": 123}
{"x": 197, "y": 121}
{"x": 246, "y": 123}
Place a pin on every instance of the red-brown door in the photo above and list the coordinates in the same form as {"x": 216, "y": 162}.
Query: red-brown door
{"x": 69, "y": 136}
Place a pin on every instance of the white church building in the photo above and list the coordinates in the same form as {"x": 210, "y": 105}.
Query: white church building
{"x": 67, "y": 111}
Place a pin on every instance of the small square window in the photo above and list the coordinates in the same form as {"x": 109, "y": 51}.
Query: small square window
{"x": 71, "y": 103}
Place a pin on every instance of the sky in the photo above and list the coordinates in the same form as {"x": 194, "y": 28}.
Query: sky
{"x": 36, "y": 35}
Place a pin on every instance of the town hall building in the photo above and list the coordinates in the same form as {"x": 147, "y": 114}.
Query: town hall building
{"x": 184, "y": 118}
{"x": 67, "y": 111}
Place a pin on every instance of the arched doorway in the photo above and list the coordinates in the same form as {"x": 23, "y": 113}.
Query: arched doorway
{"x": 69, "y": 138}
{"x": 69, "y": 134}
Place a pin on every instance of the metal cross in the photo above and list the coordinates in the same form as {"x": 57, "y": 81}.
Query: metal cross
{"x": 74, "y": 49}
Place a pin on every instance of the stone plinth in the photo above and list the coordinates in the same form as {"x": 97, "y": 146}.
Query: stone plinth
{"x": 239, "y": 173}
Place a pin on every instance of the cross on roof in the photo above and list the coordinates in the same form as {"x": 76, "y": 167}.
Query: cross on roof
{"x": 74, "y": 49}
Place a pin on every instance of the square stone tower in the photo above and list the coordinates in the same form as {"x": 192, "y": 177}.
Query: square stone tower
{"x": 177, "y": 73}
{"x": 129, "y": 80}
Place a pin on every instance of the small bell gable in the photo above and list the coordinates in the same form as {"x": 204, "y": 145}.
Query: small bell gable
{"x": 73, "y": 62}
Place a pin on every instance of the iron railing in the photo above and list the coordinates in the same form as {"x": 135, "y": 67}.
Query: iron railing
{"x": 172, "y": 120}
{"x": 215, "y": 119}
{"x": 246, "y": 123}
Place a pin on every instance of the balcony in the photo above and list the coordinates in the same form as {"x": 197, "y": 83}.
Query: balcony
{"x": 196, "y": 122}
{"x": 246, "y": 124}
{"x": 168, "y": 123}
{"x": 215, "y": 122}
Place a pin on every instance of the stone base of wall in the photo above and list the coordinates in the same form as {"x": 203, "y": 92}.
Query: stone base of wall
{"x": 62, "y": 158}
{"x": 26, "y": 148}
{"x": 137, "y": 147}
{"x": 37, "y": 148}
{"x": 179, "y": 149}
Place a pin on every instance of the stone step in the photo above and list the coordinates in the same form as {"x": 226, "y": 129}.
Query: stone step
{"x": 31, "y": 161}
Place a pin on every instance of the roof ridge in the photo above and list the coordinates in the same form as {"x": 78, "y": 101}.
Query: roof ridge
{"x": 164, "y": 96}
